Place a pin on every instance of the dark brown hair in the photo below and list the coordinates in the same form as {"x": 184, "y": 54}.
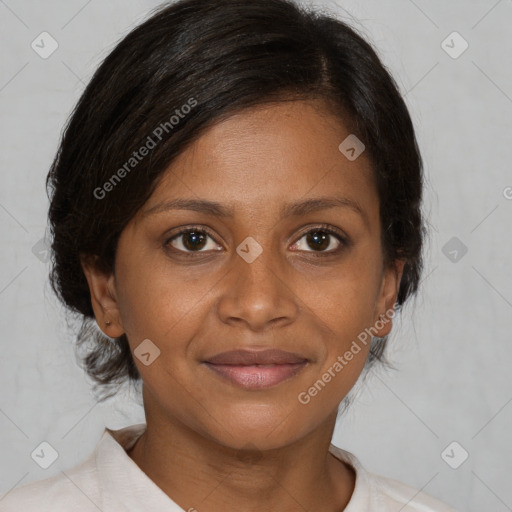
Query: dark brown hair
{"x": 192, "y": 63}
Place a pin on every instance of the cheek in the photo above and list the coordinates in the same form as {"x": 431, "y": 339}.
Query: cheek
{"x": 345, "y": 300}
{"x": 151, "y": 304}
{"x": 343, "y": 318}
{"x": 162, "y": 304}
{"x": 343, "y": 309}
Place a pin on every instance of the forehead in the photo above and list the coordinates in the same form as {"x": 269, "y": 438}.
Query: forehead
{"x": 268, "y": 155}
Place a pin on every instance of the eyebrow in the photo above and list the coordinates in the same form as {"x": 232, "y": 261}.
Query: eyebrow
{"x": 294, "y": 209}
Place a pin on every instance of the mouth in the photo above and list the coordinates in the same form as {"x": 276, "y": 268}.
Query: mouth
{"x": 252, "y": 370}
{"x": 257, "y": 376}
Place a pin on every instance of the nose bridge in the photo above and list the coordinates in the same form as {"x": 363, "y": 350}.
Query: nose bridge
{"x": 257, "y": 266}
{"x": 257, "y": 293}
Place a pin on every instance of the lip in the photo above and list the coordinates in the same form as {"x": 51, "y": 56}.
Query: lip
{"x": 251, "y": 357}
{"x": 256, "y": 376}
{"x": 256, "y": 369}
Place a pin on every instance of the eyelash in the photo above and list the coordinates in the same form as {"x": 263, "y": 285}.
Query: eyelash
{"x": 324, "y": 228}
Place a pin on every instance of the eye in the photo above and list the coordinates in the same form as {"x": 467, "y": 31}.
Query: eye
{"x": 322, "y": 239}
{"x": 192, "y": 239}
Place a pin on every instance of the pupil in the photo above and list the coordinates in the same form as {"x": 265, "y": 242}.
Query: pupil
{"x": 318, "y": 241}
{"x": 198, "y": 240}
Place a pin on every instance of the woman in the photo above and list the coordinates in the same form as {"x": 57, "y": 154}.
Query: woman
{"x": 236, "y": 204}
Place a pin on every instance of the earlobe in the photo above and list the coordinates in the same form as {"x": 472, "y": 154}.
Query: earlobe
{"x": 103, "y": 297}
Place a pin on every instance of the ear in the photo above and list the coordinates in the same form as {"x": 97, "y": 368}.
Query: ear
{"x": 386, "y": 300}
{"x": 103, "y": 297}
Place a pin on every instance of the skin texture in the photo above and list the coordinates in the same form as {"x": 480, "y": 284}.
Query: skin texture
{"x": 209, "y": 444}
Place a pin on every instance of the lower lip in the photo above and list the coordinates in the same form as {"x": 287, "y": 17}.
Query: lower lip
{"x": 257, "y": 377}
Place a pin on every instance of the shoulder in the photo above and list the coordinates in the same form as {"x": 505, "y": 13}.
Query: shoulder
{"x": 74, "y": 489}
{"x": 88, "y": 486}
{"x": 390, "y": 493}
{"x": 376, "y": 492}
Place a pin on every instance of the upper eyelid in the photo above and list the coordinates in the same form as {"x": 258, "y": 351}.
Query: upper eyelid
{"x": 186, "y": 229}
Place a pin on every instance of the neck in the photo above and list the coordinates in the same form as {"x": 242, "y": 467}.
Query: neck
{"x": 200, "y": 474}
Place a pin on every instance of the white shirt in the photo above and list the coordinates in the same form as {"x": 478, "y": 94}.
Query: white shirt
{"x": 110, "y": 481}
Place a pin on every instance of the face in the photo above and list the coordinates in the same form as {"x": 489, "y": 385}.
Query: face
{"x": 269, "y": 266}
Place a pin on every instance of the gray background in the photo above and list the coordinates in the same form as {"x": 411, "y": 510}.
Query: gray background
{"x": 452, "y": 346}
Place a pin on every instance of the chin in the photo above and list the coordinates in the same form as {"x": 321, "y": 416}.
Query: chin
{"x": 265, "y": 430}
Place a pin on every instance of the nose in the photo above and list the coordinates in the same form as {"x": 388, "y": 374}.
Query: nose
{"x": 258, "y": 294}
